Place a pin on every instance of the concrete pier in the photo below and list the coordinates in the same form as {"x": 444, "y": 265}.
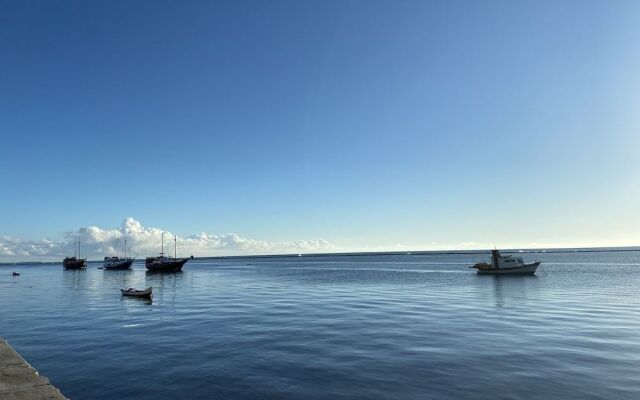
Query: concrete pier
{"x": 20, "y": 381}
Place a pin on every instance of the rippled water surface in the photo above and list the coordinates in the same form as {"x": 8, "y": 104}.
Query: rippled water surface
{"x": 366, "y": 327}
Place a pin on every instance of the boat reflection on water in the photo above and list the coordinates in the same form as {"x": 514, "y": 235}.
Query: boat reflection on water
{"x": 74, "y": 278}
{"x": 121, "y": 278}
{"x": 134, "y": 299}
{"x": 165, "y": 285}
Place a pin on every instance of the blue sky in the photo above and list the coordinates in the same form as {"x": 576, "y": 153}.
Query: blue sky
{"x": 367, "y": 124}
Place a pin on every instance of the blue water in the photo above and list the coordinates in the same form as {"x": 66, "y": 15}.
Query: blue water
{"x": 367, "y": 327}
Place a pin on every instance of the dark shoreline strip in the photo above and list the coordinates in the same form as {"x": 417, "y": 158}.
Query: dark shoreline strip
{"x": 20, "y": 381}
{"x": 385, "y": 253}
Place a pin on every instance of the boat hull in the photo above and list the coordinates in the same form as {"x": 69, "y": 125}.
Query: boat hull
{"x": 527, "y": 269}
{"x": 118, "y": 265}
{"x": 141, "y": 294}
{"x": 167, "y": 265}
{"x": 74, "y": 263}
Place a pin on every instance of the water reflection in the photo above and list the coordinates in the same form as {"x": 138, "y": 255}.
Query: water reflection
{"x": 140, "y": 300}
{"x": 164, "y": 284}
{"x": 498, "y": 293}
{"x": 124, "y": 278}
{"x": 74, "y": 278}
{"x": 512, "y": 284}
{"x": 169, "y": 280}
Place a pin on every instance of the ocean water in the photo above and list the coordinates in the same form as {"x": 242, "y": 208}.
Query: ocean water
{"x": 339, "y": 327}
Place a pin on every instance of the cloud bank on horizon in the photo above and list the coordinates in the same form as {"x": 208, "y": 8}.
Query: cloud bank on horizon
{"x": 142, "y": 241}
{"x": 97, "y": 243}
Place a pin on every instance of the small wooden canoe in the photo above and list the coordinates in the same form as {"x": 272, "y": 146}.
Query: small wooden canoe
{"x": 145, "y": 294}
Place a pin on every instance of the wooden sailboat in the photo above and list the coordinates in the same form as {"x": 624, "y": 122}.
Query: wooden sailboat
{"x": 166, "y": 264}
{"x": 75, "y": 262}
{"x": 117, "y": 263}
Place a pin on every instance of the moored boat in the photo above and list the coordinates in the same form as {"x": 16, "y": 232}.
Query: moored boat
{"x": 131, "y": 292}
{"x": 506, "y": 265}
{"x": 75, "y": 262}
{"x": 166, "y": 264}
{"x": 117, "y": 263}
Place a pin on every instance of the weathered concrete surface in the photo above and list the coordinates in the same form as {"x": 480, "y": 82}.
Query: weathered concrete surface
{"x": 19, "y": 381}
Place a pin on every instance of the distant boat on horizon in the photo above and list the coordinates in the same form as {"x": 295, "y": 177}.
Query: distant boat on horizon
{"x": 117, "y": 263}
{"x": 75, "y": 262}
{"x": 166, "y": 264}
{"x": 506, "y": 265}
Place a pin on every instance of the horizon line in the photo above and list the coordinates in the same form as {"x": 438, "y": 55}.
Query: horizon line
{"x": 545, "y": 250}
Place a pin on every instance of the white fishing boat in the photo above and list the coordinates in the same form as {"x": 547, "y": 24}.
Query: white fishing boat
{"x": 506, "y": 265}
{"x": 146, "y": 294}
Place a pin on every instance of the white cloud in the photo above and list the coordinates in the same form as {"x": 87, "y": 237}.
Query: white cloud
{"x": 143, "y": 241}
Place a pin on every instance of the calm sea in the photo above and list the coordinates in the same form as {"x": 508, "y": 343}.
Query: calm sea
{"x": 339, "y": 327}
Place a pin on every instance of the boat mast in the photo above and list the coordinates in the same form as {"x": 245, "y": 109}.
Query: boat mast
{"x": 125, "y": 245}
{"x": 78, "y": 248}
{"x": 175, "y": 246}
{"x": 162, "y": 244}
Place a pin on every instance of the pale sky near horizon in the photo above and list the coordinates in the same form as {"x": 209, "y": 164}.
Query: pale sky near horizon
{"x": 367, "y": 125}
